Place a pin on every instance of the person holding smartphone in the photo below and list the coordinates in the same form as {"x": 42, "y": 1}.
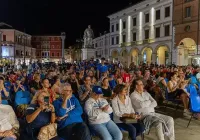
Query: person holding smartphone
{"x": 39, "y": 114}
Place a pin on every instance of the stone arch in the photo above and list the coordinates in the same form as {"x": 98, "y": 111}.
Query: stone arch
{"x": 146, "y": 53}
{"x": 186, "y": 52}
{"x": 162, "y": 54}
{"x": 122, "y": 50}
{"x": 145, "y": 47}
{"x": 134, "y": 48}
{"x": 158, "y": 46}
{"x": 134, "y": 55}
{"x": 114, "y": 53}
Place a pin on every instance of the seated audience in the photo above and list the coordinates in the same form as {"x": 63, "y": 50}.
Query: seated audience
{"x": 107, "y": 92}
{"x": 175, "y": 92}
{"x": 98, "y": 110}
{"x": 68, "y": 112}
{"x": 144, "y": 104}
{"x": 122, "y": 107}
{"x": 9, "y": 129}
{"x": 48, "y": 91}
{"x": 35, "y": 85}
{"x": 3, "y": 92}
{"x": 85, "y": 90}
{"x": 39, "y": 114}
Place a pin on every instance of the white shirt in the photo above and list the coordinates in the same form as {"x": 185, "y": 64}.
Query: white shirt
{"x": 119, "y": 108}
{"x": 143, "y": 103}
{"x": 94, "y": 111}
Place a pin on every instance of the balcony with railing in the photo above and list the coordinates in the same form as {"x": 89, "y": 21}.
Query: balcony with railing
{"x": 148, "y": 41}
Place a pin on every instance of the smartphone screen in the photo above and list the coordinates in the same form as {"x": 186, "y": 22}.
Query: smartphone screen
{"x": 46, "y": 99}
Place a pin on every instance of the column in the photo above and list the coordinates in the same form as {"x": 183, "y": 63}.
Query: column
{"x": 63, "y": 46}
{"x": 153, "y": 58}
{"x": 140, "y": 58}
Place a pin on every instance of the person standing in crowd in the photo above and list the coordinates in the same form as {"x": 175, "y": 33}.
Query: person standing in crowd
{"x": 122, "y": 107}
{"x": 85, "y": 90}
{"x": 144, "y": 104}
{"x": 39, "y": 114}
{"x": 68, "y": 111}
{"x": 102, "y": 68}
{"x": 98, "y": 110}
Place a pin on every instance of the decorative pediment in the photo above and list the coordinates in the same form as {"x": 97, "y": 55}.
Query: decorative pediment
{"x": 146, "y": 27}
{"x": 134, "y": 30}
{"x": 123, "y": 32}
{"x": 157, "y": 25}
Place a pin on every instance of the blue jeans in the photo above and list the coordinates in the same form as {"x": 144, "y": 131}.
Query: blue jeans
{"x": 134, "y": 129}
{"x": 7, "y": 138}
{"x": 107, "y": 131}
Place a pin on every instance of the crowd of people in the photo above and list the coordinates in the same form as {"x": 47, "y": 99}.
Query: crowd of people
{"x": 91, "y": 98}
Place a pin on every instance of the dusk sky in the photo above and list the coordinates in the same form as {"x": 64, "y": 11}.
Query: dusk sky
{"x": 50, "y": 17}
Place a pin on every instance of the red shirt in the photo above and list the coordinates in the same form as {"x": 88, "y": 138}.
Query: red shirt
{"x": 126, "y": 77}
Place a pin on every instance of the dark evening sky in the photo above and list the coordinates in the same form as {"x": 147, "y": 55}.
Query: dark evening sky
{"x": 50, "y": 17}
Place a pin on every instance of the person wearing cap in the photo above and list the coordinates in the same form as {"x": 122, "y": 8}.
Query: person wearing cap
{"x": 98, "y": 110}
{"x": 101, "y": 68}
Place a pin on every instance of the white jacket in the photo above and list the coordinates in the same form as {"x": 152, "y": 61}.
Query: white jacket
{"x": 95, "y": 113}
{"x": 143, "y": 103}
{"x": 119, "y": 108}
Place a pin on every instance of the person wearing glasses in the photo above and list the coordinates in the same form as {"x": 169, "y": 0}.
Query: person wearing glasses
{"x": 144, "y": 104}
{"x": 68, "y": 112}
{"x": 122, "y": 107}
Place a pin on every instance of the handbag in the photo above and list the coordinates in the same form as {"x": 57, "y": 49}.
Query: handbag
{"x": 128, "y": 120}
{"x": 5, "y": 125}
{"x": 48, "y": 132}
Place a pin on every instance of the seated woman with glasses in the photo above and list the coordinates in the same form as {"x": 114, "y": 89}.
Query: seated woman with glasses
{"x": 122, "y": 107}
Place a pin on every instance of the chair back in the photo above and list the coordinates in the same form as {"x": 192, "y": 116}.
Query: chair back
{"x": 192, "y": 90}
{"x": 195, "y": 103}
{"x": 22, "y": 97}
{"x": 193, "y": 80}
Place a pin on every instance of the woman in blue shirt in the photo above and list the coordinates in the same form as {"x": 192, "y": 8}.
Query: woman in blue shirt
{"x": 38, "y": 115}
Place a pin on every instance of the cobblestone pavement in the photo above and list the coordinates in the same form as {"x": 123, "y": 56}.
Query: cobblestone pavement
{"x": 181, "y": 130}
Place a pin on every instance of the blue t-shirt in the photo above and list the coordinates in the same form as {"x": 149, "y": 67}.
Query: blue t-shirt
{"x": 102, "y": 68}
{"x": 43, "y": 118}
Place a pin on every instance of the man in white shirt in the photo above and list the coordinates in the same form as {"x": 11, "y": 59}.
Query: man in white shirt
{"x": 144, "y": 104}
